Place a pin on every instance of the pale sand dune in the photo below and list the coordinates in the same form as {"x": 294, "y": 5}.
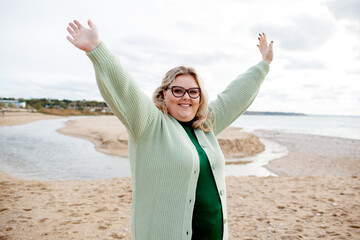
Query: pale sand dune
{"x": 286, "y": 207}
{"x": 109, "y": 136}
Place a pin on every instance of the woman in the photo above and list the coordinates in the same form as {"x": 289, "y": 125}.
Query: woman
{"x": 177, "y": 166}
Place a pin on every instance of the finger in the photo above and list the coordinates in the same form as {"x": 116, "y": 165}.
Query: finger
{"x": 78, "y": 24}
{"x": 91, "y": 24}
{"x": 75, "y": 28}
{"x": 72, "y": 33}
{"x": 264, "y": 39}
{"x": 70, "y": 39}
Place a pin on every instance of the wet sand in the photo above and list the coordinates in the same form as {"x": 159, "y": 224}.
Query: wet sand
{"x": 317, "y": 196}
{"x": 313, "y": 155}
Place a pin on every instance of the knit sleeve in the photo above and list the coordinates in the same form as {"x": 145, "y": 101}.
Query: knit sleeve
{"x": 120, "y": 91}
{"x": 238, "y": 96}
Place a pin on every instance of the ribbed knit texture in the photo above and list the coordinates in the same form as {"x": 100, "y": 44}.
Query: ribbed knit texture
{"x": 164, "y": 162}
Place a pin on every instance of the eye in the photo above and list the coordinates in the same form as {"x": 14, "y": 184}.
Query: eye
{"x": 194, "y": 91}
{"x": 178, "y": 90}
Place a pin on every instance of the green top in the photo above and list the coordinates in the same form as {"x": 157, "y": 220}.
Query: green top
{"x": 207, "y": 221}
{"x": 164, "y": 162}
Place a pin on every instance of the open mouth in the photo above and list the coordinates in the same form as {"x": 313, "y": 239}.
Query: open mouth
{"x": 184, "y": 105}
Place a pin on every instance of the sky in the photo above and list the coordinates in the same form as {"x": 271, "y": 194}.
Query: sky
{"x": 316, "y": 66}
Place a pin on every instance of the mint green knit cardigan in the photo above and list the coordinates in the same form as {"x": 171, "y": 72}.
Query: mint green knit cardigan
{"x": 164, "y": 162}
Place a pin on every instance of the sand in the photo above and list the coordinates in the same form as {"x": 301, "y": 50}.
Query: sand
{"x": 109, "y": 136}
{"x": 17, "y": 118}
{"x": 312, "y": 155}
{"x": 258, "y": 208}
{"x": 313, "y": 201}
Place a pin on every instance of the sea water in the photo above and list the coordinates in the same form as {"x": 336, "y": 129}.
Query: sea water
{"x": 335, "y": 126}
{"x": 37, "y": 151}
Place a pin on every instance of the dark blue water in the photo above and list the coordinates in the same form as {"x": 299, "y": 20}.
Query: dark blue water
{"x": 37, "y": 151}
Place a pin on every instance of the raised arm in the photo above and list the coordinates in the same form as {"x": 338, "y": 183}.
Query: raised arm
{"x": 120, "y": 91}
{"x": 241, "y": 92}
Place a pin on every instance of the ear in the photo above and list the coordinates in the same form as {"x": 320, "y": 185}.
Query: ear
{"x": 164, "y": 93}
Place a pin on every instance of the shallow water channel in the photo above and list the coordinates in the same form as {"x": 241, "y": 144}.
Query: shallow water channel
{"x": 36, "y": 151}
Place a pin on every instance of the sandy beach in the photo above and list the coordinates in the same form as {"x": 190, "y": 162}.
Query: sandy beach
{"x": 16, "y": 118}
{"x": 316, "y": 196}
{"x": 109, "y": 136}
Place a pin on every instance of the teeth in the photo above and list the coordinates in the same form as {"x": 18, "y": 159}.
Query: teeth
{"x": 185, "y": 105}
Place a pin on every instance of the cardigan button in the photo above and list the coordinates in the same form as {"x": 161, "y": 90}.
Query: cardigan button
{"x": 214, "y": 166}
{"x": 221, "y": 192}
{"x": 203, "y": 145}
{"x": 225, "y": 221}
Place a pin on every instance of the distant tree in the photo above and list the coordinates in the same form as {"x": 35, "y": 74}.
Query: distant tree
{"x": 2, "y": 105}
{"x": 63, "y": 105}
{"x": 11, "y": 105}
{"x": 37, "y": 105}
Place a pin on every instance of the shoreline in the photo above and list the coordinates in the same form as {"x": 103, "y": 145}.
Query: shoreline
{"x": 293, "y": 205}
{"x": 23, "y": 117}
{"x": 314, "y": 155}
{"x": 109, "y": 136}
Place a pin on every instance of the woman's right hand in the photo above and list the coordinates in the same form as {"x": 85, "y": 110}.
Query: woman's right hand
{"x": 84, "y": 38}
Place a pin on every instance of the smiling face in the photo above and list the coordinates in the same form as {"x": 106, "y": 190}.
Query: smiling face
{"x": 184, "y": 108}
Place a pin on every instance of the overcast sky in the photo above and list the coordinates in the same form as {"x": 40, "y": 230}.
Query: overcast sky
{"x": 316, "y": 69}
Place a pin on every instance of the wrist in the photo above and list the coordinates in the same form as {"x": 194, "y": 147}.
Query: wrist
{"x": 92, "y": 46}
{"x": 267, "y": 61}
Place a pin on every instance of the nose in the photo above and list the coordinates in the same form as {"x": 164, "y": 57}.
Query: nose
{"x": 186, "y": 95}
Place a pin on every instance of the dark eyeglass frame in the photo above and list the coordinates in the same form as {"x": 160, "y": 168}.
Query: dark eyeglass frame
{"x": 185, "y": 91}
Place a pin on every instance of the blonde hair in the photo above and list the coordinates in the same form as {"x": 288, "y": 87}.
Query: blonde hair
{"x": 203, "y": 118}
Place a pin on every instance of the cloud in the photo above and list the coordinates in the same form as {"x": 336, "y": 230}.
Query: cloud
{"x": 34, "y": 85}
{"x": 310, "y": 86}
{"x": 304, "y": 64}
{"x": 274, "y": 95}
{"x": 345, "y": 9}
{"x": 143, "y": 48}
{"x": 302, "y": 33}
{"x": 187, "y": 26}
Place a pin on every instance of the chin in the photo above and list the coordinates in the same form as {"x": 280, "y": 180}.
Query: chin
{"x": 186, "y": 119}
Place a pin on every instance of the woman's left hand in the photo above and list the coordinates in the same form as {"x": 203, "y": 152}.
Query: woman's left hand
{"x": 266, "y": 49}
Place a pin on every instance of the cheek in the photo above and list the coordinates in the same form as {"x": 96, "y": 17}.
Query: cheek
{"x": 198, "y": 102}
{"x": 169, "y": 102}
{"x": 197, "y": 105}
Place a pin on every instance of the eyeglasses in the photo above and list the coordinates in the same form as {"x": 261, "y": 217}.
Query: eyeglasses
{"x": 179, "y": 92}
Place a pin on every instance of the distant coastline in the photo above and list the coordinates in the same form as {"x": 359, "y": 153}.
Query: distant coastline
{"x": 274, "y": 113}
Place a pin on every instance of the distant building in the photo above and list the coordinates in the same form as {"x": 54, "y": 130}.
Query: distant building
{"x": 16, "y": 103}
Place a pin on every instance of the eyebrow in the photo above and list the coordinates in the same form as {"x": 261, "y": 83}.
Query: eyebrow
{"x": 182, "y": 87}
